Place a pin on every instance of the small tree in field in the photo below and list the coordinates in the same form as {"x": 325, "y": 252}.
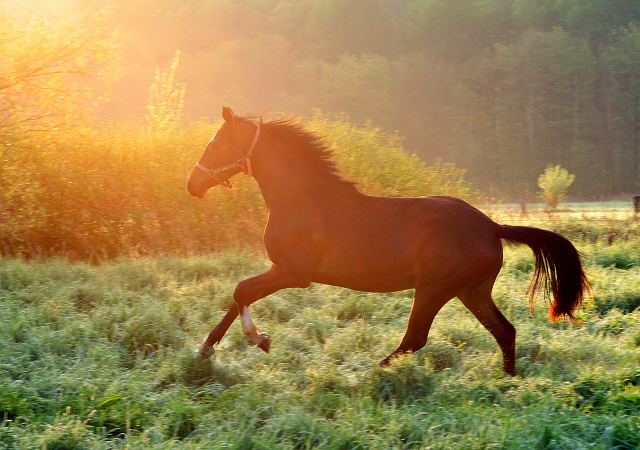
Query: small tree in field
{"x": 554, "y": 183}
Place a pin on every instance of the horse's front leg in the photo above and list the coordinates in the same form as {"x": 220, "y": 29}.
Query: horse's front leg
{"x": 247, "y": 292}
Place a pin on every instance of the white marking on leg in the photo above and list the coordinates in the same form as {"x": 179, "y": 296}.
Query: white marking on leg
{"x": 248, "y": 327}
{"x": 261, "y": 339}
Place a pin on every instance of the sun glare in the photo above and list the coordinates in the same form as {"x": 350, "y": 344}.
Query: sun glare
{"x": 48, "y": 8}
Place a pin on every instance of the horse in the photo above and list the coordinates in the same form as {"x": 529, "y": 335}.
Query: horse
{"x": 321, "y": 229}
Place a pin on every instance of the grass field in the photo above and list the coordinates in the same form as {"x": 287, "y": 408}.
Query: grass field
{"x": 105, "y": 357}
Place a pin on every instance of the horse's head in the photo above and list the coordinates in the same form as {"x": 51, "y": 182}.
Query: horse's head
{"x": 228, "y": 153}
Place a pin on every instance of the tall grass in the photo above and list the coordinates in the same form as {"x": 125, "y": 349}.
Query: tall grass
{"x": 105, "y": 357}
{"x": 595, "y": 222}
{"x": 118, "y": 190}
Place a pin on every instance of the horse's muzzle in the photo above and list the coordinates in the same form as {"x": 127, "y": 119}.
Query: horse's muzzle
{"x": 193, "y": 192}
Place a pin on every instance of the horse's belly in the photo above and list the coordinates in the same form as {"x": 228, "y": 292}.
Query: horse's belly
{"x": 367, "y": 273}
{"x": 367, "y": 283}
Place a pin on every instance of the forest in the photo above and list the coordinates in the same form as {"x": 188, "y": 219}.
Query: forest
{"x": 502, "y": 88}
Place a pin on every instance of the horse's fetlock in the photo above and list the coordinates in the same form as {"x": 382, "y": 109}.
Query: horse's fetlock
{"x": 264, "y": 342}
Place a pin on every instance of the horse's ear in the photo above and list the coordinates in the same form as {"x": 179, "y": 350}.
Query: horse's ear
{"x": 227, "y": 115}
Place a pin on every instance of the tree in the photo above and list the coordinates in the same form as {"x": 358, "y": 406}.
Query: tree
{"x": 47, "y": 77}
{"x": 350, "y": 26}
{"x": 456, "y": 29}
{"x": 554, "y": 183}
{"x": 622, "y": 59}
{"x": 359, "y": 84}
{"x": 48, "y": 71}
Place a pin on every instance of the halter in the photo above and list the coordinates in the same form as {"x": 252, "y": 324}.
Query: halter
{"x": 244, "y": 163}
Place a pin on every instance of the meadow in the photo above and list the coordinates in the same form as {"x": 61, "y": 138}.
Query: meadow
{"x": 105, "y": 356}
{"x": 111, "y": 276}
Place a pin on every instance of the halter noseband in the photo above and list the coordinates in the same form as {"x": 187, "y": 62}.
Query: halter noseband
{"x": 244, "y": 163}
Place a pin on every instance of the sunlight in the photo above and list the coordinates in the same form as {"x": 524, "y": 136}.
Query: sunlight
{"x": 47, "y": 8}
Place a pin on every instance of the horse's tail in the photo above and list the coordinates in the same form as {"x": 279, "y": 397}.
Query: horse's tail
{"x": 559, "y": 268}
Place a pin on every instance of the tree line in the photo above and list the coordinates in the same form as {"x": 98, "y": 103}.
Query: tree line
{"x": 502, "y": 88}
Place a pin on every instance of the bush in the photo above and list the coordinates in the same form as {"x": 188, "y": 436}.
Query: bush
{"x": 116, "y": 190}
{"x": 554, "y": 183}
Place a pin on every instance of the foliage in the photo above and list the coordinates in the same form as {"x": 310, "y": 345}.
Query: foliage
{"x": 47, "y": 77}
{"x": 117, "y": 189}
{"x": 349, "y": 26}
{"x": 79, "y": 370}
{"x": 381, "y": 165}
{"x": 166, "y": 101}
{"x": 103, "y": 189}
{"x": 500, "y": 87}
{"x": 622, "y": 58}
{"x": 44, "y": 78}
{"x": 554, "y": 183}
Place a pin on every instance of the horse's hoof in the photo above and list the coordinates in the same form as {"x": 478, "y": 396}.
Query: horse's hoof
{"x": 386, "y": 362}
{"x": 265, "y": 342}
{"x": 206, "y": 352}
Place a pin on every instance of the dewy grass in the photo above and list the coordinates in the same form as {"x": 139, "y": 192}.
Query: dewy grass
{"x": 106, "y": 357}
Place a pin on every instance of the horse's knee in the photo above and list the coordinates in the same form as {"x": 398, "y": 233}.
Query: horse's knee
{"x": 241, "y": 293}
{"x": 252, "y": 289}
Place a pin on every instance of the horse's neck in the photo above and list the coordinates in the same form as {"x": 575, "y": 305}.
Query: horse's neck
{"x": 283, "y": 184}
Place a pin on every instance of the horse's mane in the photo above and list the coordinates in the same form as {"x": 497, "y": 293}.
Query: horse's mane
{"x": 303, "y": 146}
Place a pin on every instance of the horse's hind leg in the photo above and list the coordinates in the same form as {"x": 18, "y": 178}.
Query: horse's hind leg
{"x": 426, "y": 304}
{"x": 478, "y": 300}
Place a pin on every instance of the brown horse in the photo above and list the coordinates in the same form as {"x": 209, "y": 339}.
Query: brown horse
{"x": 322, "y": 229}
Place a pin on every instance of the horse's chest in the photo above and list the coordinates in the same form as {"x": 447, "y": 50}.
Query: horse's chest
{"x": 287, "y": 237}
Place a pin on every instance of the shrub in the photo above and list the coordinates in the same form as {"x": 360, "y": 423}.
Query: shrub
{"x": 118, "y": 190}
{"x": 554, "y": 183}
{"x": 381, "y": 165}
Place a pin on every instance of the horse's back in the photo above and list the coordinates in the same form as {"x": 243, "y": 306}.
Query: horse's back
{"x": 385, "y": 244}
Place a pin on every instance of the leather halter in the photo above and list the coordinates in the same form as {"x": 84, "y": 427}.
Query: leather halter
{"x": 244, "y": 163}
